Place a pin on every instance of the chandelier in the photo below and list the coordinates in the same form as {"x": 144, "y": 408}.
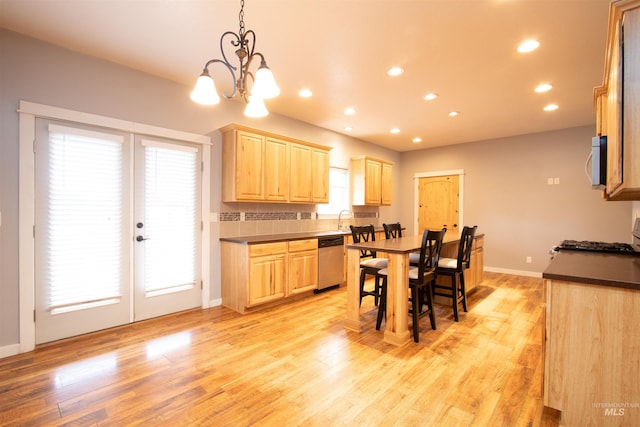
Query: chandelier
{"x": 263, "y": 84}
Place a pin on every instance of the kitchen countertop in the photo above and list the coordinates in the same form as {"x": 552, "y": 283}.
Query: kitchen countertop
{"x": 285, "y": 237}
{"x": 622, "y": 271}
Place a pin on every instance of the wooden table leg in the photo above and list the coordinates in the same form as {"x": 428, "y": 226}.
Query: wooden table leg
{"x": 352, "y": 322}
{"x": 397, "y": 327}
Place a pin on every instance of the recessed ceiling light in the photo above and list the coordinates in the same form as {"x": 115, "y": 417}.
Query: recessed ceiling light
{"x": 350, "y": 111}
{"x": 305, "y": 93}
{"x": 395, "y": 130}
{"x": 528, "y": 45}
{"x": 544, "y": 87}
{"x": 430, "y": 96}
{"x": 348, "y": 128}
{"x": 395, "y": 71}
{"x": 454, "y": 113}
{"x": 417, "y": 140}
{"x": 551, "y": 107}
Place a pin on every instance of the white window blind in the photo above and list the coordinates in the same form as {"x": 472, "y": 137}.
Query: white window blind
{"x": 338, "y": 192}
{"x": 84, "y": 220}
{"x": 170, "y": 213}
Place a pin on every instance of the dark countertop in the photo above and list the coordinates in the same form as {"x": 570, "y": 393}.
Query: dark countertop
{"x": 285, "y": 237}
{"x": 622, "y": 271}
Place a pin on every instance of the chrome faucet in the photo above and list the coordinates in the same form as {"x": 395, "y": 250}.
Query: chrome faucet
{"x": 340, "y": 218}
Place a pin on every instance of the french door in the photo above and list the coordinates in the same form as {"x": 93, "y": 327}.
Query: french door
{"x": 117, "y": 228}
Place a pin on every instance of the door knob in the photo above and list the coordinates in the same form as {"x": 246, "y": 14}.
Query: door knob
{"x": 140, "y": 238}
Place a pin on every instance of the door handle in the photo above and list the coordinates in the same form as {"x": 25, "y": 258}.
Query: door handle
{"x": 140, "y": 238}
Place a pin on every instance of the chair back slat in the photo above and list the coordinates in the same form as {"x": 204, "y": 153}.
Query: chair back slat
{"x": 361, "y": 234}
{"x": 392, "y": 231}
{"x": 430, "y": 252}
{"x": 464, "y": 248}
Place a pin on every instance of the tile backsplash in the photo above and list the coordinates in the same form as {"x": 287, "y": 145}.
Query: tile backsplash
{"x": 257, "y": 221}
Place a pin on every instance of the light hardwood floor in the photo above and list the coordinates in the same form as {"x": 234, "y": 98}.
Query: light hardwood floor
{"x": 294, "y": 365}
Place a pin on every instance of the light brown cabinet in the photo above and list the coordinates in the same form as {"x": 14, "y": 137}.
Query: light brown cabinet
{"x": 371, "y": 181}
{"x": 256, "y": 274}
{"x": 617, "y": 102}
{"x": 591, "y": 353}
{"x": 303, "y": 266}
{"x": 320, "y": 175}
{"x": 258, "y": 166}
{"x": 276, "y": 176}
{"x": 268, "y": 272}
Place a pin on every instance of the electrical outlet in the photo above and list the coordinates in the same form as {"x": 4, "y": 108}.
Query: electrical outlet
{"x": 556, "y": 181}
{"x": 242, "y": 216}
{"x": 529, "y": 260}
{"x": 550, "y": 181}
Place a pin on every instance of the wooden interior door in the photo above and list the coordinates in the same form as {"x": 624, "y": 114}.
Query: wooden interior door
{"x": 438, "y": 203}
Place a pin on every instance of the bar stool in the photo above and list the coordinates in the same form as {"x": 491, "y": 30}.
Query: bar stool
{"x": 369, "y": 263}
{"x": 454, "y": 268}
{"x": 421, "y": 281}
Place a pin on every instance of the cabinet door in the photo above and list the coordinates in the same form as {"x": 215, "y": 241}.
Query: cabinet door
{"x": 320, "y": 165}
{"x": 249, "y": 166}
{"x": 614, "y": 112}
{"x": 267, "y": 278}
{"x": 373, "y": 181}
{"x": 276, "y": 170}
{"x": 303, "y": 271}
{"x": 300, "y": 180}
{"x": 387, "y": 170}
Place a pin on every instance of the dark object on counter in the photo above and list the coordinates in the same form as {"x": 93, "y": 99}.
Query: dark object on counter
{"x": 585, "y": 245}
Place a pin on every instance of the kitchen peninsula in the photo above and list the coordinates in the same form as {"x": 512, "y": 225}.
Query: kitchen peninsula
{"x": 592, "y": 347}
{"x": 261, "y": 270}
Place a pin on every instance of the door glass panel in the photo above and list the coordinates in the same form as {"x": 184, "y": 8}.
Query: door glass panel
{"x": 170, "y": 217}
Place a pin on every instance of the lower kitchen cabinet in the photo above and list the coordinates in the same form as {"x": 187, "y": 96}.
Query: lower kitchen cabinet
{"x": 303, "y": 266}
{"x": 267, "y": 272}
{"x": 257, "y": 274}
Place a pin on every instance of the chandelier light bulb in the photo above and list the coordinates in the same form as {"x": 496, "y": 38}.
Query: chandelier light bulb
{"x": 205, "y": 90}
{"x": 265, "y": 85}
{"x": 255, "y": 107}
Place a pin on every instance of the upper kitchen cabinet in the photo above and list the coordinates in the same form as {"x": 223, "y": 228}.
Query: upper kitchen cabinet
{"x": 617, "y": 102}
{"x": 258, "y": 166}
{"x": 309, "y": 174}
{"x": 371, "y": 181}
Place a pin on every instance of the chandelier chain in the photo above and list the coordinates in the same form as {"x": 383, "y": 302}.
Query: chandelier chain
{"x": 241, "y": 19}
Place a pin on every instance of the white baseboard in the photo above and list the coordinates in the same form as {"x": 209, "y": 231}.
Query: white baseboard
{"x": 9, "y": 350}
{"x": 516, "y": 272}
{"x": 215, "y": 302}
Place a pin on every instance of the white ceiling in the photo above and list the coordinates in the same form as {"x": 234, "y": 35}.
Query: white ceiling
{"x": 465, "y": 50}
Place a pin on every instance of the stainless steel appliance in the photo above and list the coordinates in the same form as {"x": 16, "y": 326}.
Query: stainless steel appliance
{"x": 330, "y": 262}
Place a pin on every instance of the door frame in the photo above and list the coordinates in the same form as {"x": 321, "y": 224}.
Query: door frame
{"x": 416, "y": 193}
{"x": 28, "y": 112}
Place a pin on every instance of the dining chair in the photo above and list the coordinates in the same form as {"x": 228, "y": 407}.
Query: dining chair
{"x": 392, "y": 231}
{"x": 369, "y": 263}
{"x": 421, "y": 281}
{"x": 454, "y": 268}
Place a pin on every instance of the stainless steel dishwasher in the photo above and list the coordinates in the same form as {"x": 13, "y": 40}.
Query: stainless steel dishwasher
{"x": 330, "y": 262}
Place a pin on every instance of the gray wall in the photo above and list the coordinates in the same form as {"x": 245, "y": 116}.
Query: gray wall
{"x": 506, "y": 194}
{"x": 506, "y": 191}
{"x": 35, "y": 71}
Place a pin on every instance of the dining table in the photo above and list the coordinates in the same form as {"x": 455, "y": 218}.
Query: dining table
{"x": 397, "y": 252}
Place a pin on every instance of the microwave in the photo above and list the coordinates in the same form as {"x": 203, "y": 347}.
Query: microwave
{"x": 598, "y": 162}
